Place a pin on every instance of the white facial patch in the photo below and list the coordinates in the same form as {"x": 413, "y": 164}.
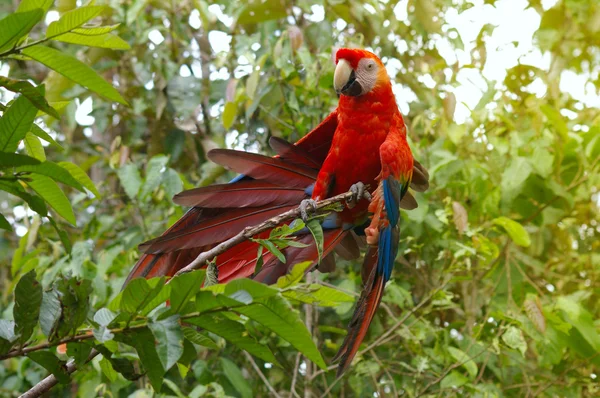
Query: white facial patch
{"x": 366, "y": 74}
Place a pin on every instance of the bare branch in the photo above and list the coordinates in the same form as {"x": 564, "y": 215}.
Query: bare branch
{"x": 47, "y": 383}
{"x": 261, "y": 374}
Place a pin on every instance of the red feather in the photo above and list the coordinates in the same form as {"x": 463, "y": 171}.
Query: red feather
{"x": 213, "y": 230}
{"x": 293, "y": 153}
{"x": 273, "y": 170}
{"x": 245, "y": 193}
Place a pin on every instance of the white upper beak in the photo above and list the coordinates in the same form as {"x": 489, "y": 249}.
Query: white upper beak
{"x": 341, "y": 75}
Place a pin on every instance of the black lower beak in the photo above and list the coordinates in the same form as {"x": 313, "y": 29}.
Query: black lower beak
{"x": 352, "y": 88}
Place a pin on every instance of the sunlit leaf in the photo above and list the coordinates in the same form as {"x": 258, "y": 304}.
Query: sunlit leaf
{"x": 73, "y": 19}
{"x": 17, "y": 25}
{"x": 35, "y": 95}
{"x": 515, "y": 230}
{"x": 15, "y": 123}
{"x": 34, "y": 147}
{"x": 75, "y": 70}
{"x": 53, "y": 195}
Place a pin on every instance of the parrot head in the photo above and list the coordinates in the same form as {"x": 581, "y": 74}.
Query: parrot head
{"x": 358, "y": 72}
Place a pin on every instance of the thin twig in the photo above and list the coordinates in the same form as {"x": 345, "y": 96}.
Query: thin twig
{"x": 249, "y": 232}
{"x": 261, "y": 375}
{"x": 295, "y": 377}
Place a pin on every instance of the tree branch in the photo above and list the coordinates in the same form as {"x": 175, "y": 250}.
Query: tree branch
{"x": 249, "y": 232}
{"x": 50, "y": 381}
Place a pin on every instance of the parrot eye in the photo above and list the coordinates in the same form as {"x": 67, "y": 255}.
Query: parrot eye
{"x": 370, "y": 65}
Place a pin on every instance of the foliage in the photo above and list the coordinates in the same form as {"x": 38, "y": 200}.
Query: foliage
{"x": 494, "y": 293}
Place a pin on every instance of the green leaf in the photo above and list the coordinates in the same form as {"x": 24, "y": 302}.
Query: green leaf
{"x": 52, "y": 364}
{"x": 108, "y": 40}
{"x": 73, "y": 19}
{"x": 7, "y": 335}
{"x": 130, "y": 178}
{"x": 39, "y": 132}
{"x": 235, "y": 333}
{"x": 139, "y": 293}
{"x": 34, "y": 94}
{"x": 95, "y": 31}
{"x": 184, "y": 287}
{"x": 74, "y": 297}
{"x": 514, "y": 177}
{"x": 453, "y": 380}
{"x": 462, "y": 358}
{"x": 53, "y": 170}
{"x": 581, "y": 319}
{"x": 121, "y": 365}
{"x": 270, "y": 246}
{"x": 15, "y": 123}
{"x": 34, "y": 147}
{"x": 169, "y": 339}
{"x": 276, "y": 314}
{"x": 27, "y": 5}
{"x": 16, "y": 159}
{"x": 515, "y": 230}
{"x": 295, "y": 275}
{"x": 28, "y": 300}
{"x": 4, "y": 224}
{"x": 323, "y": 296}
{"x": 172, "y": 182}
{"x": 237, "y": 379}
{"x": 556, "y": 120}
{"x": 108, "y": 370}
{"x": 315, "y": 228}
{"x": 154, "y": 171}
{"x": 17, "y": 25}
{"x": 75, "y": 70}
{"x": 79, "y": 175}
{"x": 254, "y": 12}
{"x": 542, "y": 161}
{"x": 35, "y": 202}
{"x": 198, "y": 338}
{"x": 103, "y": 317}
{"x": 513, "y": 337}
{"x": 143, "y": 341}
{"x": 229, "y": 114}
{"x": 79, "y": 352}
{"x": 50, "y": 313}
{"x": 53, "y": 195}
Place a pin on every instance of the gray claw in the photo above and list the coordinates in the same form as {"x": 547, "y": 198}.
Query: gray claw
{"x": 306, "y": 206}
{"x": 359, "y": 191}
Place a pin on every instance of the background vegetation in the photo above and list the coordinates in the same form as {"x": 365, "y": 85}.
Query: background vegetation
{"x": 109, "y": 109}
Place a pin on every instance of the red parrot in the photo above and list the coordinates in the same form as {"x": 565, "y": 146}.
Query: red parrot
{"x": 360, "y": 144}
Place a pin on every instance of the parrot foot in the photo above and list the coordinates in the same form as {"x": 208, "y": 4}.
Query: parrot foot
{"x": 306, "y": 206}
{"x": 359, "y": 191}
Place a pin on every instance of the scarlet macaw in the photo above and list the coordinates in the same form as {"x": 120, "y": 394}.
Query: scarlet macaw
{"x": 360, "y": 144}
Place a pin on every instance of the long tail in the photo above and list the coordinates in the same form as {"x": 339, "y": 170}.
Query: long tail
{"x": 376, "y": 272}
